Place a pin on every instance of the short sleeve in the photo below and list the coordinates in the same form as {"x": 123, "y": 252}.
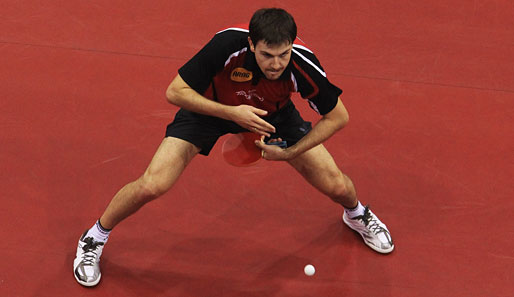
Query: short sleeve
{"x": 312, "y": 81}
{"x": 199, "y": 71}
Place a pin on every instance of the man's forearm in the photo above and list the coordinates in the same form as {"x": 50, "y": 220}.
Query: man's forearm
{"x": 323, "y": 130}
{"x": 189, "y": 99}
{"x": 179, "y": 93}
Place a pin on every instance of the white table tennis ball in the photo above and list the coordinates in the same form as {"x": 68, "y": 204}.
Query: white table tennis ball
{"x": 309, "y": 270}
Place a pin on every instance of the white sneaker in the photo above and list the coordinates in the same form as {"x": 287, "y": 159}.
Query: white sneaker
{"x": 86, "y": 266}
{"x": 372, "y": 230}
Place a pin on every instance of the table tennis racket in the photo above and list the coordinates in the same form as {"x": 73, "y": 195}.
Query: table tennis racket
{"x": 240, "y": 149}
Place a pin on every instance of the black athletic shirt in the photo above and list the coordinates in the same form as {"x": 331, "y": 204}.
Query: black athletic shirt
{"x": 225, "y": 70}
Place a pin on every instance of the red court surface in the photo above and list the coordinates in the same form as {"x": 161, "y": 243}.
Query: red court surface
{"x": 430, "y": 90}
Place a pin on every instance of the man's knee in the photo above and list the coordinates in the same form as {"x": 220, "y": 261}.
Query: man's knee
{"x": 169, "y": 161}
{"x": 152, "y": 186}
{"x": 339, "y": 186}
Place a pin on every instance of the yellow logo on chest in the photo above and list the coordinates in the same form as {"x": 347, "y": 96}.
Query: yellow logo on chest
{"x": 240, "y": 74}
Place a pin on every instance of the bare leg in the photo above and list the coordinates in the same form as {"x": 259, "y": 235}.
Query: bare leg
{"x": 170, "y": 160}
{"x": 318, "y": 167}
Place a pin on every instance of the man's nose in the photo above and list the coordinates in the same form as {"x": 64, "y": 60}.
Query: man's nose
{"x": 275, "y": 63}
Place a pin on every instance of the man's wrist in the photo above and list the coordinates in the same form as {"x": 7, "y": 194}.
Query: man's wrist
{"x": 225, "y": 112}
{"x": 291, "y": 152}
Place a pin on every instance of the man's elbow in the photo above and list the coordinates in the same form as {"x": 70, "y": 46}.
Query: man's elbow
{"x": 342, "y": 120}
{"x": 172, "y": 95}
{"x": 345, "y": 119}
{"x": 339, "y": 116}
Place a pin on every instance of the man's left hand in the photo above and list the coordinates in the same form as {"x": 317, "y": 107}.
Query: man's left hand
{"x": 273, "y": 152}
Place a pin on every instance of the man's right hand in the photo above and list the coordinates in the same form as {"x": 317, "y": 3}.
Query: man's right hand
{"x": 249, "y": 117}
{"x": 181, "y": 94}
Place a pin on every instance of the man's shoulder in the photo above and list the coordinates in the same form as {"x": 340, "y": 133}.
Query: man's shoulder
{"x": 305, "y": 59}
{"x": 242, "y": 28}
{"x": 230, "y": 39}
{"x": 236, "y": 32}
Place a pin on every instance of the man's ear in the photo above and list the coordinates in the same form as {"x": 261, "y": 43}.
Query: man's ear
{"x": 252, "y": 46}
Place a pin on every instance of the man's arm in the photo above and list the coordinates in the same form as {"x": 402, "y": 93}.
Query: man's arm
{"x": 329, "y": 124}
{"x": 181, "y": 94}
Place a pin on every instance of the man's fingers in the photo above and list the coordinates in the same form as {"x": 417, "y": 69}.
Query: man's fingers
{"x": 262, "y": 127}
{"x": 265, "y": 126}
{"x": 275, "y": 140}
{"x": 259, "y": 131}
{"x": 270, "y": 151}
{"x": 260, "y": 144}
{"x": 260, "y": 123}
{"x": 259, "y": 111}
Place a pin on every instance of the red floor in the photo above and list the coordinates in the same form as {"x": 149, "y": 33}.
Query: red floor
{"x": 430, "y": 90}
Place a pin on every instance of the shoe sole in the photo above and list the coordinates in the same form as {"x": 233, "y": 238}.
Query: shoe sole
{"x": 376, "y": 249}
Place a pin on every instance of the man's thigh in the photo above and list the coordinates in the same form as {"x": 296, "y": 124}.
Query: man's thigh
{"x": 201, "y": 130}
{"x": 170, "y": 160}
{"x": 318, "y": 167}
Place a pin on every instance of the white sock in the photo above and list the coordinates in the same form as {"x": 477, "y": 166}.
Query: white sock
{"x": 355, "y": 212}
{"x": 98, "y": 232}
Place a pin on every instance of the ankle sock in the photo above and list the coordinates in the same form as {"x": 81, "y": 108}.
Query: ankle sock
{"x": 356, "y": 211}
{"x": 98, "y": 232}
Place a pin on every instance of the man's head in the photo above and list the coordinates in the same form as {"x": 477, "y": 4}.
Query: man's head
{"x": 272, "y": 33}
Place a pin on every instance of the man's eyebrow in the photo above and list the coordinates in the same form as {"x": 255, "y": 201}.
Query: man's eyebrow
{"x": 286, "y": 51}
{"x": 267, "y": 53}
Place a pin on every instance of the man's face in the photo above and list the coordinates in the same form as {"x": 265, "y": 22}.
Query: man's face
{"x": 272, "y": 59}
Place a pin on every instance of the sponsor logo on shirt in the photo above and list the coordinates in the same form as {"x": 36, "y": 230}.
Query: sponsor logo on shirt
{"x": 240, "y": 74}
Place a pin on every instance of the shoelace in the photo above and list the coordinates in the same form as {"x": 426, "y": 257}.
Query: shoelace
{"x": 371, "y": 222}
{"x": 89, "y": 249}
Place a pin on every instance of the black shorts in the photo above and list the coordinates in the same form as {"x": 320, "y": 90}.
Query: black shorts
{"x": 203, "y": 131}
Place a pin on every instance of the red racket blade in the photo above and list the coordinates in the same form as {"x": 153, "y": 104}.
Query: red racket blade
{"x": 240, "y": 149}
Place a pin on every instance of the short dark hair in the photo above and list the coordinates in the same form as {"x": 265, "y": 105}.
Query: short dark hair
{"x": 274, "y": 26}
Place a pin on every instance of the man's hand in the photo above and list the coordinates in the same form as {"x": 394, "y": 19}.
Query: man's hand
{"x": 181, "y": 94}
{"x": 273, "y": 152}
{"x": 249, "y": 117}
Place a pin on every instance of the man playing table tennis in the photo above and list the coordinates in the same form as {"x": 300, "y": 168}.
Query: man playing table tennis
{"x": 242, "y": 80}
